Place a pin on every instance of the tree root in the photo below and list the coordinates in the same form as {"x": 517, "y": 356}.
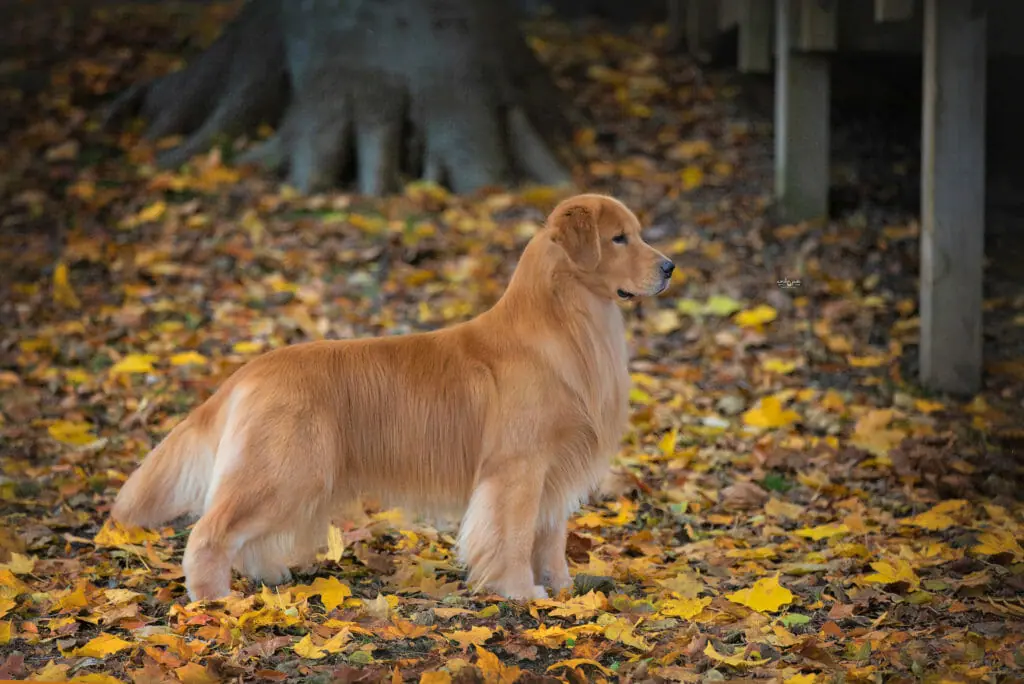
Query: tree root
{"x": 371, "y": 91}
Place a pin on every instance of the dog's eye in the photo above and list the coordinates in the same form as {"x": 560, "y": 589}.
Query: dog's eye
{"x": 620, "y": 239}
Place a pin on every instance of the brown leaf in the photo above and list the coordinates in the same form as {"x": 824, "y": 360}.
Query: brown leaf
{"x": 743, "y": 496}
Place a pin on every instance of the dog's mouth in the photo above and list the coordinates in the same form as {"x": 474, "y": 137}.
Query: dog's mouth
{"x": 624, "y": 295}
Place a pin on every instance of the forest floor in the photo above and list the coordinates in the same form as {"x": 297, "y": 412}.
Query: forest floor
{"x": 789, "y": 506}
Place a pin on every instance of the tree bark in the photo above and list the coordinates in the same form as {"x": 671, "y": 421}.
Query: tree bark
{"x": 367, "y": 90}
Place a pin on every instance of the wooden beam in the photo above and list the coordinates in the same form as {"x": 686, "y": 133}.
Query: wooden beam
{"x": 817, "y": 25}
{"x": 755, "y": 48}
{"x": 953, "y": 195}
{"x": 701, "y": 24}
{"x": 728, "y": 13}
{"x": 894, "y": 10}
{"x": 801, "y": 124}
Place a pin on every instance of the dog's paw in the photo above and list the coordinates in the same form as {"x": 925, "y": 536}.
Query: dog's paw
{"x": 525, "y": 593}
{"x": 558, "y": 579}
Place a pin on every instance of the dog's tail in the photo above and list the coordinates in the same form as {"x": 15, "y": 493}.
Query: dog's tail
{"x": 174, "y": 478}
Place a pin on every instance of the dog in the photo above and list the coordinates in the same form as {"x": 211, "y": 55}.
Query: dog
{"x": 510, "y": 419}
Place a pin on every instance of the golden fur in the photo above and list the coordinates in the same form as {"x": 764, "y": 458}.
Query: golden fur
{"x": 512, "y": 417}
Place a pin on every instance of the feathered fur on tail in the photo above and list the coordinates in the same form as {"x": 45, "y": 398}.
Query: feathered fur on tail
{"x": 173, "y": 479}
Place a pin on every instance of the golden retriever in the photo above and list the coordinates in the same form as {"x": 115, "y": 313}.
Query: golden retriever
{"x": 511, "y": 418}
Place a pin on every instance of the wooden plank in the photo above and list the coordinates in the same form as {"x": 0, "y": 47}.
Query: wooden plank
{"x": 728, "y": 13}
{"x": 701, "y": 27}
{"x": 755, "y": 39}
{"x": 817, "y": 25}
{"x": 953, "y": 195}
{"x": 801, "y": 124}
{"x": 894, "y": 10}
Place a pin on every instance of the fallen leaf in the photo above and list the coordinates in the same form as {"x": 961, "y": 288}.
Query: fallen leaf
{"x": 102, "y": 646}
{"x": 936, "y": 518}
{"x": 898, "y": 570}
{"x": 769, "y": 414}
{"x": 731, "y": 660}
{"x": 134, "y": 363}
{"x": 63, "y": 293}
{"x": 756, "y": 317}
{"x": 685, "y": 608}
{"x": 475, "y": 636}
{"x": 766, "y": 596}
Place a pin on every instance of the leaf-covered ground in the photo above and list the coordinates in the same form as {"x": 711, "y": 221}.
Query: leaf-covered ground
{"x": 787, "y": 506}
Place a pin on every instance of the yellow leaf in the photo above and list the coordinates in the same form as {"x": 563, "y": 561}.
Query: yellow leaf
{"x": 307, "y": 649}
{"x": 102, "y": 646}
{"x": 6, "y": 605}
{"x": 134, "y": 363}
{"x": 689, "y": 149}
{"x": 731, "y": 660}
{"x": 801, "y": 679}
{"x": 115, "y": 534}
{"x": 936, "y": 518}
{"x": 549, "y": 637}
{"x": 692, "y": 177}
{"x": 621, "y": 631}
{"x": 769, "y": 414}
{"x": 153, "y": 212}
{"x": 188, "y": 358}
{"x": 719, "y": 305}
{"x": 925, "y": 406}
{"x": 194, "y": 673}
{"x": 475, "y": 636}
{"x": 756, "y": 317}
{"x": 335, "y": 546}
{"x": 778, "y": 366}
{"x": 685, "y": 608}
{"x": 667, "y": 444}
{"x": 579, "y": 607}
{"x": 776, "y": 508}
{"x": 63, "y": 293}
{"x": 664, "y": 321}
{"x": 767, "y": 595}
{"x": 332, "y": 591}
{"x": 19, "y": 564}
{"x": 871, "y": 433}
{"x": 493, "y": 670}
{"x": 73, "y": 433}
{"x": 439, "y": 677}
{"x": 576, "y": 662}
{"x": 823, "y": 531}
{"x": 872, "y": 361}
{"x": 6, "y": 632}
{"x": 248, "y": 347}
{"x": 889, "y": 573}
{"x": 998, "y": 542}
{"x": 52, "y": 672}
{"x": 94, "y": 678}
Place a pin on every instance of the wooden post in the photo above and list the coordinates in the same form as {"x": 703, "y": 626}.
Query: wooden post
{"x": 893, "y": 10}
{"x": 755, "y": 49}
{"x": 701, "y": 24}
{"x": 953, "y": 195}
{"x": 801, "y": 124}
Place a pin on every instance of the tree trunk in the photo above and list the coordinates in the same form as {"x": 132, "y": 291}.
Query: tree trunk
{"x": 367, "y": 90}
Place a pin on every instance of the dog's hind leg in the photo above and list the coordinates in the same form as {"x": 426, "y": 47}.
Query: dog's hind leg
{"x": 550, "y": 567}
{"x": 496, "y": 537}
{"x": 269, "y": 559}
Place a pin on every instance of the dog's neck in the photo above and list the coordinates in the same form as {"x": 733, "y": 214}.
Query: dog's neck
{"x": 546, "y": 282}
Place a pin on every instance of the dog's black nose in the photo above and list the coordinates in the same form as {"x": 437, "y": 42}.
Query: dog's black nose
{"x": 667, "y": 267}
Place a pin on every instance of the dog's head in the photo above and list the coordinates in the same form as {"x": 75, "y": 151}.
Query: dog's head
{"x": 601, "y": 239}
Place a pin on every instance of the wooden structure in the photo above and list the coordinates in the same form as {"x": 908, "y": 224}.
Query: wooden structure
{"x": 796, "y": 37}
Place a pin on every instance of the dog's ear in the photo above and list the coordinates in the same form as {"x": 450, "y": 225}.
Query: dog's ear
{"x": 574, "y": 229}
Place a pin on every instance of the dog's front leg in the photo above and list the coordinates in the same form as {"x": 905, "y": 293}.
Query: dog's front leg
{"x": 550, "y": 567}
{"x": 497, "y": 534}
